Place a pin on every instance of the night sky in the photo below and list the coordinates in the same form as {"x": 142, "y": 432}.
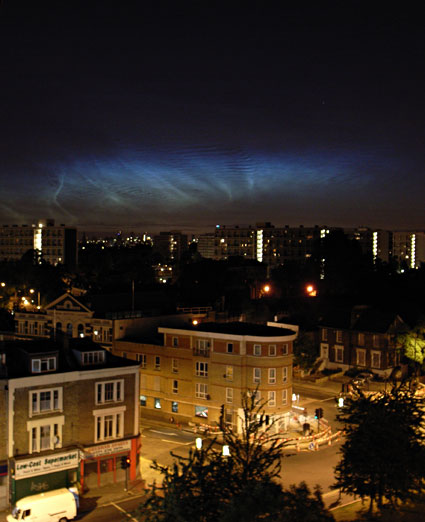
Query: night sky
{"x": 153, "y": 115}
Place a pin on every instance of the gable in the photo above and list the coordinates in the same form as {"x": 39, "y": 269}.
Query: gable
{"x": 67, "y": 303}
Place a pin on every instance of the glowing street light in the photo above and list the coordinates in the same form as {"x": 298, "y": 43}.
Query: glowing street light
{"x": 311, "y": 290}
{"x": 198, "y": 443}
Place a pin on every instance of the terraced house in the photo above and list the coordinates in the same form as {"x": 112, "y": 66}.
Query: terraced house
{"x": 69, "y": 412}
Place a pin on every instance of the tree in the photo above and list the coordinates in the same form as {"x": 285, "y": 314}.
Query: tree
{"x": 208, "y": 487}
{"x": 383, "y": 456}
{"x": 412, "y": 343}
{"x": 305, "y": 351}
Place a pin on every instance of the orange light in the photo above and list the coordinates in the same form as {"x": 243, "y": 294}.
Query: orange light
{"x": 311, "y": 290}
{"x": 195, "y": 322}
{"x": 266, "y": 288}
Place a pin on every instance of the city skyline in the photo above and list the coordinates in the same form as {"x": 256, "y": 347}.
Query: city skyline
{"x": 157, "y": 117}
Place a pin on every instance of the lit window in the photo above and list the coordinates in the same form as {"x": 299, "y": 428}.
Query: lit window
{"x": 157, "y": 403}
{"x": 142, "y": 400}
{"x": 201, "y": 411}
{"x": 175, "y": 407}
{"x": 229, "y": 373}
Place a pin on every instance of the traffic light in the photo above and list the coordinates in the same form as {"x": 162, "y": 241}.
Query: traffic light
{"x": 318, "y": 413}
{"x": 221, "y": 417}
{"x": 125, "y": 462}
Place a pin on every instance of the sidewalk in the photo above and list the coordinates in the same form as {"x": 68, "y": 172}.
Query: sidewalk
{"x": 97, "y": 497}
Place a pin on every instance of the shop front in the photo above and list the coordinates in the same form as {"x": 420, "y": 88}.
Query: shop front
{"x": 38, "y": 474}
{"x": 101, "y": 464}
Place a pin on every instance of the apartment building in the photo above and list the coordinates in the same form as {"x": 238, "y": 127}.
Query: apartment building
{"x": 69, "y": 412}
{"x": 52, "y": 243}
{"x": 363, "y": 338}
{"x": 194, "y": 371}
{"x": 409, "y": 248}
{"x": 170, "y": 245}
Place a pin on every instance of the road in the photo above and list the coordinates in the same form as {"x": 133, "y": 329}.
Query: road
{"x": 312, "y": 467}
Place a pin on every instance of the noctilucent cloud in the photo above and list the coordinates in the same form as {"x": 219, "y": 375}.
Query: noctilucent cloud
{"x": 154, "y": 118}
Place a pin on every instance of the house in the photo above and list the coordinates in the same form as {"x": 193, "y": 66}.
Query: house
{"x": 67, "y": 315}
{"x": 363, "y": 337}
{"x": 198, "y": 373}
{"x": 69, "y": 412}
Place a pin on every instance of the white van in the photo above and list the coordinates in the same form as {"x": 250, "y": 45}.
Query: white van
{"x": 59, "y": 505}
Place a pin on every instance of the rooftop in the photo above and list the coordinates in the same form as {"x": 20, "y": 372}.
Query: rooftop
{"x": 241, "y": 328}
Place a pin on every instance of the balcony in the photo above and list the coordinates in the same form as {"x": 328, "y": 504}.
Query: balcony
{"x": 201, "y": 352}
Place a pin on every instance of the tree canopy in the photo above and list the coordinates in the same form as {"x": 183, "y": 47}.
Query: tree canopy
{"x": 383, "y": 456}
{"x": 209, "y": 487}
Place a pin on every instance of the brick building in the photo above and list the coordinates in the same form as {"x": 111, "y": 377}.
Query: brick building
{"x": 364, "y": 338}
{"x": 69, "y": 411}
{"x": 192, "y": 371}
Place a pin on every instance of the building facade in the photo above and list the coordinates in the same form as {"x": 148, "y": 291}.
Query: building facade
{"x": 54, "y": 244}
{"x": 69, "y": 413}
{"x": 197, "y": 370}
{"x": 65, "y": 315}
{"x": 367, "y": 339}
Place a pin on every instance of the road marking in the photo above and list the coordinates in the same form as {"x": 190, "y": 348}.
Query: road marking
{"x": 176, "y": 442}
{"x": 124, "y": 511}
{"x": 164, "y": 433}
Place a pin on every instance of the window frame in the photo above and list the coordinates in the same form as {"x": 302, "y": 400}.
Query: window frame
{"x": 37, "y": 394}
{"x": 39, "y": 362}
{"x": 271, "y": 398}
{"x": 256, "y": 378}
{"x": 256, "y": 350}
{"x": 201, "y": 372}
{"x": 108, "y": 419}
{"x": 272, "y": 350}
{"x": 117, "y": 391}
{"x": 201, "y": 390}
{"x": 229, "y": 395}
{"x": 272, "y": 375}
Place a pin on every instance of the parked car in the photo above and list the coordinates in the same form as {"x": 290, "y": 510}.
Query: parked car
{"x": 362, "y": 379}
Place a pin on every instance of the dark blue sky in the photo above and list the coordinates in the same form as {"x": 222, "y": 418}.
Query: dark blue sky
{"x": 152, "y": 115}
